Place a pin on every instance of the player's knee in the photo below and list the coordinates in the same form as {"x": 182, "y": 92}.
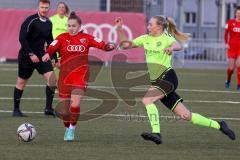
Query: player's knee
{"x": 146, "y": 100}
{"x": 231, "y": 66}
{"x": 51, "y": 78}
{"x": 238, "y": 64}
{"x": 75, "y": 102}
{"x": 21, "y": 85}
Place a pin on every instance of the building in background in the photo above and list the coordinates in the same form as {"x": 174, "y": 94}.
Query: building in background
{"x": 202, "y": 18}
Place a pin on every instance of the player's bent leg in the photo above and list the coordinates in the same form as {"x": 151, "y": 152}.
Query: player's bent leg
{"x": 195, "y": 118}
{"x": 18, "y": 91}
{"x": 74, "y": 109}
{"x": 198, "y": 119}
{"x": 151, "y": 96}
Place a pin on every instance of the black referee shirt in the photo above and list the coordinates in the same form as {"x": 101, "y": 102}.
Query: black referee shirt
{"x": 34, "y": 32}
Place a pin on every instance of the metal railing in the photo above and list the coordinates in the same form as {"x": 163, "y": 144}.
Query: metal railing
{"x": 201, "y": 51}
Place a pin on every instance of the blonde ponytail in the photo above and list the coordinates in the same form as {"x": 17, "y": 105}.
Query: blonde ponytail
{"x": 172, "y": 29}
{"x": 170, "y": 26}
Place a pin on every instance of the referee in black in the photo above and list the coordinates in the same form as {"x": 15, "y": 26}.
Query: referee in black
{"x": 35, "y": 31}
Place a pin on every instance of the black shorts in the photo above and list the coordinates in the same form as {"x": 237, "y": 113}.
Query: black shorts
{"x": 26, "y": 66}
{"x": 167, "y": 83}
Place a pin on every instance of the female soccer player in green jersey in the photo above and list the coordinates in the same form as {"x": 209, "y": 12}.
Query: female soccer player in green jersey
{"x": 59, "y": 20}
{"x": 159, "y": 44}
{"x": 59, "y": 26}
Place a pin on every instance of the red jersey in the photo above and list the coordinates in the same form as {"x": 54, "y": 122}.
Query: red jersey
{"x": 232, "y": 32}
{"x": 74, "y": 70}
{"x": 71, "y": 46}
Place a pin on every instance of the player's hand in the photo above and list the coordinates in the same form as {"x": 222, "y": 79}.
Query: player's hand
{"x": 46, "y": 57}
{"x": 34, "y": 58}
{"x": 119, "y": 22}
{"x": 110, "y": 46}
{"x": 57, "y": 64}
{"x": 126, "y": 45}
{"x": 169, "y": 50}
{"x": 53, "y": 62}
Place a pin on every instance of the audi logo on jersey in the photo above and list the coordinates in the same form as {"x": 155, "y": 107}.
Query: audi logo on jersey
{"x": 75, "y": 48}
{"x": 236, "y": 29}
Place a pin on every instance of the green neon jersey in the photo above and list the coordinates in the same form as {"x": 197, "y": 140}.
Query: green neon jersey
{"x": 59, "y": 25}
{"x": 157, "y": 60}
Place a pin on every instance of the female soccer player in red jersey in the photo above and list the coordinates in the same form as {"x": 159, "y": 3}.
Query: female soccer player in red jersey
{"x": 232, "y": 41}
{"x": 73, "y": 48}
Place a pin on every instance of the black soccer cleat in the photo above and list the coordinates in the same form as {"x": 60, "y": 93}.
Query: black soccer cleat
{"x": 238, "y": 87}
{"x": 18, "y": 113}
{"x": 155, "y": 137}
{"x": 227, "y": 84}
{"x": 49, "y": 112}
{"x": 226, "y": 130}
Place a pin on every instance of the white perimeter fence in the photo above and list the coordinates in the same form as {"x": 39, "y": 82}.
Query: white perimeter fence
{"x": 202, "y": 53}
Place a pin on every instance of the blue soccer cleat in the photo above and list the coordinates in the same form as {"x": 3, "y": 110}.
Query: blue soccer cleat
{"x": 65, "y": 135}
{"x": 70, "y": 134}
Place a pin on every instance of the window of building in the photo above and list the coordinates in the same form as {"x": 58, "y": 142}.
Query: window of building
{"x": 190, "y": 17}
{"x": 229, "y": 10}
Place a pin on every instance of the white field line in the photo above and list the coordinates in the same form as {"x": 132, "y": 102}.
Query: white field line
{"x": 135, "y": 88}
{"x": 14, "y": 68}
{"x": 137, "y": 99}
{"x": 8, "y": 69}
{"x": 128, "y": 115}
{"x": 9, "y": 65}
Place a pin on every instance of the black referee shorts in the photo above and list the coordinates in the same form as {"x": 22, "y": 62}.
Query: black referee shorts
{"x": 26, "y": 66}
{"x": 168, "y": 83}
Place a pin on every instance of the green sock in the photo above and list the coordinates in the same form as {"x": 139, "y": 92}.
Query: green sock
{"x": 153, "y": 116}
{"x": 203, "y": 121}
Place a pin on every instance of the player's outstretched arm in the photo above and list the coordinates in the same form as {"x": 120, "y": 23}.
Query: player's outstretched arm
{"x": 119, "y": 28}
{"x": 125, "y": 43}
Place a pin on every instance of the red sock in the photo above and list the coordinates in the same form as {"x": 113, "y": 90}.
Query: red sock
{"x": 229, "y": 74}
{"x": 75, "y": 112}
{"x": 238, "y": 75}
{"x": 65, "y": 116}
{"x": 66, "y": 124}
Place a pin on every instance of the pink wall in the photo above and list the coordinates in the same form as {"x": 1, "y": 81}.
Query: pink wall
{"x": 11, "y": 20}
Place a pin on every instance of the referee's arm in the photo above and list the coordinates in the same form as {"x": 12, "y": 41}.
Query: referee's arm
{"x": 24, "y": 31}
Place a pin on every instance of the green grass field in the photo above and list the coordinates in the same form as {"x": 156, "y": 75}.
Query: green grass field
{"x": 116, "y": 135}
